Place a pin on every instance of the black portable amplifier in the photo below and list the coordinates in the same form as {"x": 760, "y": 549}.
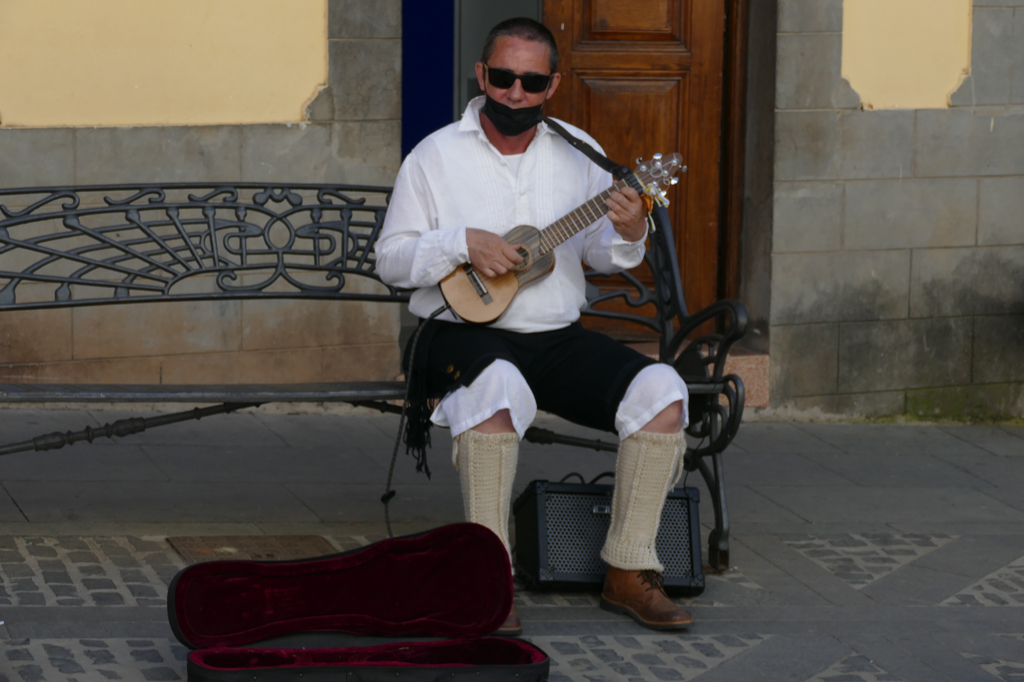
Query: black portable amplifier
{"x": 561, "y": 527}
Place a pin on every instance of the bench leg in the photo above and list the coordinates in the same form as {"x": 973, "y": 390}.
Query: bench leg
{"x": 718, "y": 540}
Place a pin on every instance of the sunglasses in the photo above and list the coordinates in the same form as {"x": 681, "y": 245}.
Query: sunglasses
{"x": 505, "y": 79}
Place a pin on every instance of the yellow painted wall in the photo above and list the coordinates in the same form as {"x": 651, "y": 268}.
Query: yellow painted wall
{"x": 908, "y": 54}
{"x": 159, "y": 62}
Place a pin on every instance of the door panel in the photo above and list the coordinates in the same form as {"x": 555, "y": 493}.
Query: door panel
{"x": 646, "y": 77}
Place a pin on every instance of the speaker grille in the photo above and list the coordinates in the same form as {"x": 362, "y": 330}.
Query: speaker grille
{"x": 575, "y": 535}
{"x": 673, "y": 542}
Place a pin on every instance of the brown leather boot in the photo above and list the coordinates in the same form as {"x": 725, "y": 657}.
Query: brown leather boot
{"x": 639, "y": 595}
{"x": 511, "y": 627}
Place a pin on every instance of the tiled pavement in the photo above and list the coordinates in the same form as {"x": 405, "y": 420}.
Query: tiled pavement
{"x": 860, "y": 552}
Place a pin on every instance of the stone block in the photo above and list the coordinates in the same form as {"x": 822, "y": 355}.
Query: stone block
{"x": 805, "y": 145}
{"x": 1001, "y": 211}
{"x": 281, "y": 323}
{"x": 991, "y": 59}
{"x": 157, "y": 329}
{"x": 808, "y": 73}
{"x": 118, "y": 371}
{"x": 900, "y": 354}
{"x": 990, "y": 401}
{"x": 804, "y": 360}
{"x": 808, "y": 217}
{"x": 40, "y": 157}
{"x": 29, "y": 336}
{"x": 286, "y": 153}
{"x": 158, "y": 154}
{"x": 974, "y": 281}
{"x": 810, "y": 16}
{"x": 321, "y": 107}
{"x": 1017, "y": 85}
{"x": 998, "y": 349}
{"x": 875, "y": 144}
{"x": 366, "y": 79}
{"x": 289, "y": 366}
{"x": 881, "y": 404}
{"x": 868, "y": 405}
{"x": 900, "y": 214}
{"x": 363, "y": 19}
{"x": 840, "y": 286}
{"x": 366, "y": 152}
{"x": 969, "y": 142}
{"x": 378, "y": 362}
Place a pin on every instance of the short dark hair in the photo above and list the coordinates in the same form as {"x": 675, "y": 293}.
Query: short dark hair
{"x": 527, "y": 29}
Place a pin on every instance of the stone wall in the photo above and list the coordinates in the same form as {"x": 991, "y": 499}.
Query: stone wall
{"x": 353, "y": 136}
{"x": 897, "y": 280}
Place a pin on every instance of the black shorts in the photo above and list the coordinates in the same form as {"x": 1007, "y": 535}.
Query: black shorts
{"x": 575, "y": 373}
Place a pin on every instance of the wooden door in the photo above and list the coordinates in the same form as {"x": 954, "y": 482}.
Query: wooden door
{"x": 646, "y": 76}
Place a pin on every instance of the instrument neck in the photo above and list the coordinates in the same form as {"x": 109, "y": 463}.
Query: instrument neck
{"x": 579, "y": 219}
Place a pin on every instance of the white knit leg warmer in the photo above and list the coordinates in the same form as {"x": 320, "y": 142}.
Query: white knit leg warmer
{"x": 487, "y": 468}
{"x": 644, "y": 474}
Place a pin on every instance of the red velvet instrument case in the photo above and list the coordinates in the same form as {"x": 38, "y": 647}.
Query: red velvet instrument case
{"x": 453, "y": 582}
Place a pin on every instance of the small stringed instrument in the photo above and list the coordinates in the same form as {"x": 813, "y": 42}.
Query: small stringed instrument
{"x": 477, "y": 298}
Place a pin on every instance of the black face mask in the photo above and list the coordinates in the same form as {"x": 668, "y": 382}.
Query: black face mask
{"x": 511, "y": 122}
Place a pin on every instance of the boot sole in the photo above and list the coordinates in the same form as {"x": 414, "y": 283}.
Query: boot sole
{"x": 626, "y": 611}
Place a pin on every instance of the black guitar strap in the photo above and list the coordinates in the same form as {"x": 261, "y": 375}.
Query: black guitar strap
{"x": 618, "y": 172}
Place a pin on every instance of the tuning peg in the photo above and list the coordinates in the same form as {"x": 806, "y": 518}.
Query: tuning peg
{"x": 657, "y": 157}
{"x": 684, "y": 169}
{"x": 639, "y": 159}
{"x": 675, "y": 181}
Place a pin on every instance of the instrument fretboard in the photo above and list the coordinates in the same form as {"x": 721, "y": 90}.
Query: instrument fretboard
{"x": 579, "y": 219}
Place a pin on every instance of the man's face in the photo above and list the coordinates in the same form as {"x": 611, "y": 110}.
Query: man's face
{"x": 521, "y": 57}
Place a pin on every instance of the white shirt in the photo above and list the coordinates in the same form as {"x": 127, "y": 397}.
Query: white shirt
{"x": 456, "y": 178}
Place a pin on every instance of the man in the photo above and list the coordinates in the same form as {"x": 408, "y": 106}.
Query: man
{"x": 457, "y": 192}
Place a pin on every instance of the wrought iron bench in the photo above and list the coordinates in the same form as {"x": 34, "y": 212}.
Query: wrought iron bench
{"x": 100, "y": 245}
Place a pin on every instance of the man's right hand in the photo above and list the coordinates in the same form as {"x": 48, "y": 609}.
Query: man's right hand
{"x": 491, "y": 255}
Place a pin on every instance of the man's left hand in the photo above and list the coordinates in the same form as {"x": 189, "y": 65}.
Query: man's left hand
{"x": 628, "y": 214}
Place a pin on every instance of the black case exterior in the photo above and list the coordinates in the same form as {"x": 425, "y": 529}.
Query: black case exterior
{"x": 561, "y": 527}
{"x": 537, "y": 672}
{"x": 255, "y": 662}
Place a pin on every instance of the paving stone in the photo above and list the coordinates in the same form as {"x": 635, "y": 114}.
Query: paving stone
{"x": 862, "y": 559}
{"x": 1004, "y": 587}
{"x": 91, "y": 584}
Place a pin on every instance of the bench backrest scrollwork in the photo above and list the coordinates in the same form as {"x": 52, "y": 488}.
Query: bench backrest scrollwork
{"x": 67, "y": 246}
